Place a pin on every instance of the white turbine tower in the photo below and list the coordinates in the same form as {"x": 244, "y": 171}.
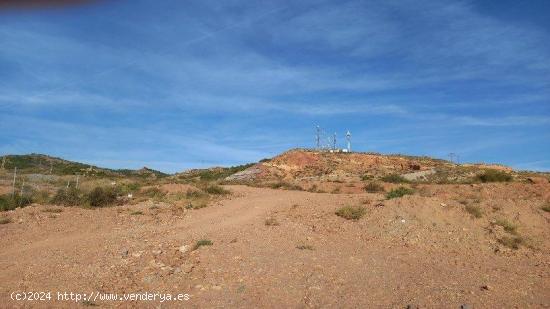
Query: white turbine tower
{"x": 348, "y": 139}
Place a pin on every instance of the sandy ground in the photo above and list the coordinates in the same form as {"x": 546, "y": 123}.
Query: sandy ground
{"x": 422, "y": 250}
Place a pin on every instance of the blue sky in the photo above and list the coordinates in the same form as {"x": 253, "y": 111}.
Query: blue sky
{"x": 174, "y": 85}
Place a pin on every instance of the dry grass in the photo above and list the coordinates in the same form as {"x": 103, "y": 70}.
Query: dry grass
{"x": 508, "y": 226}
{"x": 5, "y": 220}
{"x": 351, "y": 212}
{"x": 512, "y": 242}
{"x": 304, "y": 247}
{"x": 474, "y": 210}
{"x": 203, "y": 242}
{"x": 373, "y": 187}
{"x": 271, "y": 221}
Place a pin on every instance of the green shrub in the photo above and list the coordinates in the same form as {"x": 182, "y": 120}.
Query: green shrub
{"x": 373, "y": 187}
{"x": 508, "y": 226}
{"x": 494, "y": 176}
{"x": 366, "y": 177}
{"x": 399, "y": 192}
{"x": 126, "y": 188}
{"x": 68, "y": 197}
{"x": 100, "y": 197}
{"x": 217, "y": 190}
{"x": 394, "y": 178}
{"x": 203, "y": 242}
{"x": 10, "y": 202}
{"x": 473, "y": 210}
{"x": 351, "y": 212}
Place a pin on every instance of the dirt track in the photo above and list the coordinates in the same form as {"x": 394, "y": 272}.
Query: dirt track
{"x": 418, "y": 250}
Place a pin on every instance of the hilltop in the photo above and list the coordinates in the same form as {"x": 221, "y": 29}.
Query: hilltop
{"x": 304, "y": 165}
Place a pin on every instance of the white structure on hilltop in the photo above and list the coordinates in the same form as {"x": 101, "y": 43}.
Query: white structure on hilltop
{"x": 348, "y": 139}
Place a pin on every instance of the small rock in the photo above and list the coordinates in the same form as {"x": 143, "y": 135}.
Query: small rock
{"x": 465, "y": 306}
{"x": 156, "y": 252}
{"x": 443, "y": 205}
{"x": 485, "y": 287}
{"x": 412, "y": 306}
{"x": 124, "y": 253}
{"x": 183, "y": 249}
{"x": 216, "y": 288}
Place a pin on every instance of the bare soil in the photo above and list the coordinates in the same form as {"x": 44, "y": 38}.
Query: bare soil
{"x": 424, "y": 249}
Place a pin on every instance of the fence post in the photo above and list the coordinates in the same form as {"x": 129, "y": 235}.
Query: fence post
{"x": 14, "y": 175}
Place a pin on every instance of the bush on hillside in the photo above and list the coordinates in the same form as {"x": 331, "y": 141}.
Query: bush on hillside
{"x": 399, "y": 192}
{"x": 373, "y": 187}
{"x": 10, "y": 202}
{"x": 68, "y": 197}
{"x": 494, "y": 176}
{"x": 394, "y": 178}
{"x": 101, "y": 197}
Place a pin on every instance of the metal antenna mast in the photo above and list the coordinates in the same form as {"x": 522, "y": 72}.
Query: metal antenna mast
{"x": 451, "y": 157}
{"x": 318, "y": 138}
{"x": 334, "y": 141}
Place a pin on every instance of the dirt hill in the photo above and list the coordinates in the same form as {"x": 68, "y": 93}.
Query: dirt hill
{"x": 300, "y": 164}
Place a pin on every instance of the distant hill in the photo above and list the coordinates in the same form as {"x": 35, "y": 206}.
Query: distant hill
{"x": 44, "y": 164}
{"x": 211, "y": 174}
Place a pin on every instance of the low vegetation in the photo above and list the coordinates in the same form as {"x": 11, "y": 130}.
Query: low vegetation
{"x": 196, "y": 205}
{"x": 285, "y": 185}
{"x": 271, "y": 221}
{"x": 304, "y": 247}
{"x": 351, "y": 212}
{"x": 10, "y": 201}
{"x": 68, "y": 197}
{"x": 203, "y": 242}
{"x": 494, "y": 176}
{"x": 5, "y": 220}
{"x": 367, "y": 177}
{"x": 546, "y": 207}
{"x": 394, "y": 178}
{"x": 474, "y": 210}
{"x": 508, "y": 226}
{"x": 216, "y": 190}
{"x": 136, "y": 213}
{"x": 513, "y": 242}
{"x": 373, "y": 187}
{"x": 399, "y": 192}
{"x": 101, "y": 197}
